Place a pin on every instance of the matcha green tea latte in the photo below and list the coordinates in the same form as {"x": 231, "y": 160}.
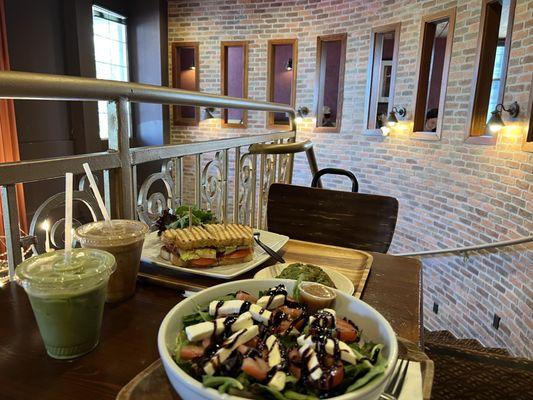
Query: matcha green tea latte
{"x": 67, "y": 298}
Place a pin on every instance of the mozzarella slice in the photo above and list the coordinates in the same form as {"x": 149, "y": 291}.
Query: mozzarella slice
{"x": 345, "y": 351}
{"x": 205, "y": 329}
{"x": 309, "y": 353}
{"x": 278, "y": 381}
{"x": 259, "y": 314}
{"x": 229, "y": 345}
{"x": 274, "y": 354}
{"x": 329, "y": 310}
{"x": 277, "y": 301}
{"x": 226, "y": 308}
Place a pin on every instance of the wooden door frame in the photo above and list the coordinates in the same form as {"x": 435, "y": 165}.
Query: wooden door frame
{"x": 223, "y": 81}
{"x": 396, "y": 28}
{"x": 319, "y": 80}
{"x": 270, "y": 78}
{"x": 177, "y": 120}
{"x": 419, "y": 109}
{"x": 486, "y": 139}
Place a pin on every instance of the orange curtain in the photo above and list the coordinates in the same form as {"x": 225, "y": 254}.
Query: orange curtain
{"x": 9, "y": 149}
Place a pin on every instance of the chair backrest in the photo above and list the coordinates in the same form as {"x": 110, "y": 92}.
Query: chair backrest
{"x": 354, "y": 220}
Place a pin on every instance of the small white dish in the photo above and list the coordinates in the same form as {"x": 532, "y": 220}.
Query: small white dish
{"x": 341, "y": 281}
{"x": 152, "y": 247}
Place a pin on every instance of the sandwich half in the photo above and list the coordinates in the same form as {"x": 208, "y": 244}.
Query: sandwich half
{"x": 208, "y": 245}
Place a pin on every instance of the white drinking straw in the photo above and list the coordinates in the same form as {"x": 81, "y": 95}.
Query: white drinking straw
{"x": 68, "y": 215}
{"x": 94, "y": 187}
{"x": 46, "y": 226}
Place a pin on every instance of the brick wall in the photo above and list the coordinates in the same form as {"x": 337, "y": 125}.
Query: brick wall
{"x": 451, "y": 193}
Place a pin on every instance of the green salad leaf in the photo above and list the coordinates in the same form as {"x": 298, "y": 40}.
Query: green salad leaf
{"x": 181, "y": 340}
{"x": 373, "y": 369}
{"x": 223, "y": 383}
{"x": 292, "y": 395}
{"x": 275, "y": 394}
{"x": 199, "y": 217}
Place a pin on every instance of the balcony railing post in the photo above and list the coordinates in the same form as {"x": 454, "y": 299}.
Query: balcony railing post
{"x": 11, "y": 227}
{"x": 236, "y": 186}
{"x": 119, "y": 140}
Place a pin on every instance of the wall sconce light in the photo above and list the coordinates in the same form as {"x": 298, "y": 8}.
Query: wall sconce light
{"x": 301, "y": 113}
{"x": 288, "y": 64}
{"x": 392, "y": 118}
{"x": 208, "y": 111}
{"x": 496, "y": 123}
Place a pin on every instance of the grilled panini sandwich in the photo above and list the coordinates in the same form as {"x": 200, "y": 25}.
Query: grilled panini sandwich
{"x": 208, "y": 245}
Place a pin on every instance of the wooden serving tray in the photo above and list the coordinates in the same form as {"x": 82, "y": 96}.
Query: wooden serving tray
{"x": 354, "y": 264}
{"x": 153, "y": 384}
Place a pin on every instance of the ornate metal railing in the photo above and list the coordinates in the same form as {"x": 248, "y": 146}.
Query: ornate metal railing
{"x": 225, "y": 173}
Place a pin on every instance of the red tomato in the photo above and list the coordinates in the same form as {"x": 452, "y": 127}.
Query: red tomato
{"x": 295, "y": 371}
{"x": 291, "y": 312}
{"x": 338, "y": 375}
{"x": 189, "y": 352}
{"x": 346, "y": 331}
{"x": 203, "y": 262}
{"x": 255, "y": 367}
{"x": 239, "y": 253}
{"x": 241, "y": 295}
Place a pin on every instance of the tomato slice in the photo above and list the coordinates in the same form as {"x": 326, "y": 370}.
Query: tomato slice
{"x": 239, "y": 253}
{"x": 203, "y": 262}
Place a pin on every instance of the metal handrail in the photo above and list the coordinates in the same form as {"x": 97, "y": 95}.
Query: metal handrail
{"x": 34, "y": 86}
{"x": 467, "y": 249}
{"x": 283, "y": 148}
{"x": 119, "y": 162}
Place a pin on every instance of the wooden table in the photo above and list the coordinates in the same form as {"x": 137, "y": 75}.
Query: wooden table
{"x": 128, "y": 339}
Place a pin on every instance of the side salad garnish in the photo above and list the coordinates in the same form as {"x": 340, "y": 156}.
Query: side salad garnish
{"x": 307, "y": 272}
{"x": 179, "y": 218}
{"x": 272, "y": 347}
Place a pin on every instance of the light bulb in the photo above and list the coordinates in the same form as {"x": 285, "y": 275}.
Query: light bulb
{"x": 495, "y": 128}
{"x": 391, "y": 123}
{"x": 299, "y": 120}
{"x": 385, "y": 131}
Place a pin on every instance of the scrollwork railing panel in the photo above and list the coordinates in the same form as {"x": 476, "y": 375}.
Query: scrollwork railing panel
{"x": 213, "y": 185}
{"x": 150, "y": 206}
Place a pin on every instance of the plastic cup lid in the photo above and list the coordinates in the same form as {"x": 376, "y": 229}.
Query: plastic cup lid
{"x": 51, "y": 272}
{"x": 119, "y": 232}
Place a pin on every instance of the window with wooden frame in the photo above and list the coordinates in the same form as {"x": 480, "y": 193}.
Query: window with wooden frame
{"x": 186, "y": 75}
{"x": 329, "y": 81}
{"x": 488, "y": 84}
{"x": 234, "y": 81}
{"x": 281, "y": 79}
{"x": 382, "y": 66}
{"x": 528, "y": 140}
{"x": 435, "y": 48}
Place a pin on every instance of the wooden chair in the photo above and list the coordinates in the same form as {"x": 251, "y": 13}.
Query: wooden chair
{"x": 346, "y": 219}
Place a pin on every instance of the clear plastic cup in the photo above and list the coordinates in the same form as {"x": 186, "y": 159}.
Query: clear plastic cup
{"x": 124, "y": 239}
{"x": 67, "y": 298}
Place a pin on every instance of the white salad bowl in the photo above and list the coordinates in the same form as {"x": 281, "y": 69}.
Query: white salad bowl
{"x": 373, "y": 325}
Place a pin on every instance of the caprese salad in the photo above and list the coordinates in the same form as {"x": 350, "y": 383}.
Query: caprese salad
{"x": 272, "y": 347}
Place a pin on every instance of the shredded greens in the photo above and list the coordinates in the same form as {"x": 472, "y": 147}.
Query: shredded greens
{"x": 179, "y": 218}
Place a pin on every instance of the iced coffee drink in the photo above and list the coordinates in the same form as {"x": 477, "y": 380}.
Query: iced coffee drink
{"x": 124, "y": 239}
{"x": 67, "y": 297}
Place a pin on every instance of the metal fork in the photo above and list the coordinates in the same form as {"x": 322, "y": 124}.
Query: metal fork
{"x": 393, "y": 390}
